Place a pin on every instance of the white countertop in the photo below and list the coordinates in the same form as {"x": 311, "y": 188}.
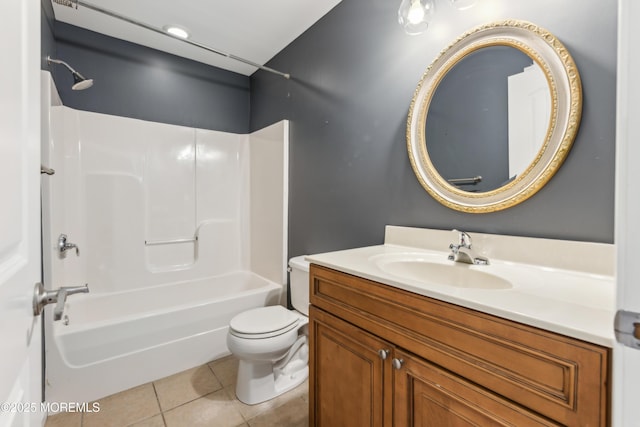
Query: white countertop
{"x": 570, "y": 302}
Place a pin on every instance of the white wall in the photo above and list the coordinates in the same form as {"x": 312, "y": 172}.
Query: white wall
{"x": 51, "y": 154}
{"x": 269, "y": 201}
{"x": 123, "y": 184}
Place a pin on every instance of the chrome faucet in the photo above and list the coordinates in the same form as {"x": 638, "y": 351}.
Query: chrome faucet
{"x": 44, "y": 296}
{"x": 64, "y": 246}
{"x": 462, "y": 251}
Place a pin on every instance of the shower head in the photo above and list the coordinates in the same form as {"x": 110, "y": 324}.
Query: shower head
{"x": 79, "y": 81}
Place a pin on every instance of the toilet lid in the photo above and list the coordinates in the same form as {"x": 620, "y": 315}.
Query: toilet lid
{"x": 263, "y": 320}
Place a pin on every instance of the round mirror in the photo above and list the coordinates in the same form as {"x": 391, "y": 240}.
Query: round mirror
{"x": 494, "y": 116}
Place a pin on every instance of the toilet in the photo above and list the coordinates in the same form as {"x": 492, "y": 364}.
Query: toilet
{"x": 271, "y": 342}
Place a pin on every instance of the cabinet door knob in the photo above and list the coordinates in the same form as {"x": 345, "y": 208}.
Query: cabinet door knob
{"x": 383, "y": 354}
{"x": 397, "y": 363}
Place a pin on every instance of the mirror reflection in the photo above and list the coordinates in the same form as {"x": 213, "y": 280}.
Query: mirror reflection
{"x": 502, "y": 102}
{"x": 488, "y": 118}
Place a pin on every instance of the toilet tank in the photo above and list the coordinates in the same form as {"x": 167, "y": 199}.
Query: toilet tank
{"x": 299, "y": 284}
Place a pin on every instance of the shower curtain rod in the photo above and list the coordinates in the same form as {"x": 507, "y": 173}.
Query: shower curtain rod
{"x": 160, "y": 31}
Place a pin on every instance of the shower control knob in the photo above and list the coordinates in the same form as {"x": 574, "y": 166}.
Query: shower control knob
{"x": 383, "y": 354}
{"x": 397, "y": 363}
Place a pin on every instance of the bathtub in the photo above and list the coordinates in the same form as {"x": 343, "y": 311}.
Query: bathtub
{"x": 110, "y": 342}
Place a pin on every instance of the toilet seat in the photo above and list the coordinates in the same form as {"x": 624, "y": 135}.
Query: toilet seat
{"x": 263, "y": 322}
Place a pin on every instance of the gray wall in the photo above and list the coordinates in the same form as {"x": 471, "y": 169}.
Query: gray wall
{"x": 354, "y": 74}
{"x": 471, "y": 138}
{"x": 138, "y": 82}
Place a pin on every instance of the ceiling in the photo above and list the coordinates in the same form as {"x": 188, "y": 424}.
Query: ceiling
{"x": 252, "y": 29}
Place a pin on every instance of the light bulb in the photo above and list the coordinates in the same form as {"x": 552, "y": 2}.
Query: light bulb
{"x": 416, "y": 12}
{"x": 415, "y": 15}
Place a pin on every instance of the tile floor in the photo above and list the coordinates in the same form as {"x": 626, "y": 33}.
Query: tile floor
{"x": 202, "y": 396}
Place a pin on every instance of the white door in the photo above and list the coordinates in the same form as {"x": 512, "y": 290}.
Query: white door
{"x": 626, "y": 363}
{"x": 529, "y": 113}
{"x": 20, "y": 331}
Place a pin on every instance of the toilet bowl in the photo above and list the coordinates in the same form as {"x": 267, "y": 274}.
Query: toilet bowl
{"x": 271, "y": 343}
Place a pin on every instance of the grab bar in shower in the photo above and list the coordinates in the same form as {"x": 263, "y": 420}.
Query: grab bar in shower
{"x": 465, "y": 181}
{"x": 169, "y": 242}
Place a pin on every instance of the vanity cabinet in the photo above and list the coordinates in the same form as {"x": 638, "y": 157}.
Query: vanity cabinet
{"x": 382, "y": 356}
{"x": 352, "y": 394}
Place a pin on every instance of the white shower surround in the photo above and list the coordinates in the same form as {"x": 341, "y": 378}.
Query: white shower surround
{"x": 123, "y": 183}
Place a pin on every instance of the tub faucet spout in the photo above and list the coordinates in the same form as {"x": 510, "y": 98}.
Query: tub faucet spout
{"x": 63, "y": 292}
{"x": 64, "y": 245}
{"x": 462, "y": 251}
{"x": 42, "y": 297}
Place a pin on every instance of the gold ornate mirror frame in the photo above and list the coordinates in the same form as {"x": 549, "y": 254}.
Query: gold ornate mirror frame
{"x": 566, "y": 109}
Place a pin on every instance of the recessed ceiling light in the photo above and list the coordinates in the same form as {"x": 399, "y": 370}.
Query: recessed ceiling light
{"x": 176, "y": 31}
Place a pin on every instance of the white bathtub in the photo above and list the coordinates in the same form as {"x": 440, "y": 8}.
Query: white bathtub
{"x": 119, "y": 340}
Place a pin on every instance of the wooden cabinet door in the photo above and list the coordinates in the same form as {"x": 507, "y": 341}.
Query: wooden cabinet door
{"x": 428, "y": 396}
{"x": 561, "y": 378}
{"x": 347, "y": 375}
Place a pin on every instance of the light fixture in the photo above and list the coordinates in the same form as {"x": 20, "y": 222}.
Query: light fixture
{"x": 463, "y": 4}
{"x": 415, "y": 15}
{"x": 176, "y": 31}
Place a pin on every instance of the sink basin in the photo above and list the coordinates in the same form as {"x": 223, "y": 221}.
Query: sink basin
{"x": 419, "y": 267}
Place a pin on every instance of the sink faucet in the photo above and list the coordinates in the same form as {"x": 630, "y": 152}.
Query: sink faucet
{"x": 462, "y": 251}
